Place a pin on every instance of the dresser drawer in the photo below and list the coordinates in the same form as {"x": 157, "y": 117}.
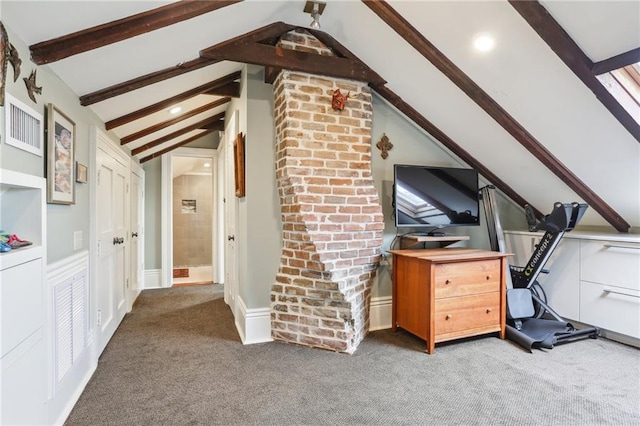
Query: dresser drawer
{"x": 460, "y": 314}
{"x": 611, "y": 263}
{"x": 612, "y": 308}
{"x": 466, "y": 278}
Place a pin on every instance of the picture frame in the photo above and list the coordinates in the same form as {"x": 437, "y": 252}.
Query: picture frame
{"x": 61, "y": 142}
{"x": 239, "y": 172}
{"x": 81, "y": 173}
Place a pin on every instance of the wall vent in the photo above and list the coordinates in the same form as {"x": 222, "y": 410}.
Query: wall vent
{"x": 69, "y": 283}
{"x": 24, "y": 128}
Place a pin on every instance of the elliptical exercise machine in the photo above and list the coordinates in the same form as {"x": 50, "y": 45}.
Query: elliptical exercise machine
{"x": 531, "y": 322}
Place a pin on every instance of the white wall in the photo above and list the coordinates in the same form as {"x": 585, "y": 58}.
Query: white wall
{"x": 62, "y": 220}
{"x": 412, "y": 145}
{"x": 261, "y": 206}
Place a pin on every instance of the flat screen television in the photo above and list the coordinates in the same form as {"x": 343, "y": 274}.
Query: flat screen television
{"x": 435, "y": 197}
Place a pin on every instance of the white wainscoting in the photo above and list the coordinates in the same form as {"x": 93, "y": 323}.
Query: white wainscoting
{"x": 70, "y": 361}
{"x": 152, "y": 278}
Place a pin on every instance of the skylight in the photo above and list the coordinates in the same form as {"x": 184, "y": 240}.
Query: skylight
{"x": 624, "y": 84}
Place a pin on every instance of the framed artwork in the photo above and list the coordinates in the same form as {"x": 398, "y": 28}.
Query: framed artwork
{"x": 238, "y": 156}
{"x": 61, "y": 141}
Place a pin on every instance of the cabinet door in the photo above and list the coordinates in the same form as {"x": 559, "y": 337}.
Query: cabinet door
{"x": 22, "y": 304}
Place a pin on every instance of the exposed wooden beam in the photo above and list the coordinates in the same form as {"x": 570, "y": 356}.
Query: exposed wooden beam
{"x": 491, "y": 107}
{"x": 256, "y": 47}
{"x": 230, "y": 89}
{"x": 270, "y": 74}
{"x": 619, "y": 61}
{"x": 145, "y": 80}
{"x": 175, "y": 146}
{"x": 163, "y": 125}
{"x": 121, "y": 29}
{"x": 216, "y": 125}
{"x": 270, "y": 56}
{"x": 159, "y": 106}
{"x": 451, "y": 145}
{"x": 199, "y": 125}
{"x": 568, "y": 51}
{"x": 268, "y": 34}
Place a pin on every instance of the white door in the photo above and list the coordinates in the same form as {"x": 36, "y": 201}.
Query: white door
{"x": 112, "y": 204}
{"x": 136, "y": 234}
{"x": 230, "y": 216}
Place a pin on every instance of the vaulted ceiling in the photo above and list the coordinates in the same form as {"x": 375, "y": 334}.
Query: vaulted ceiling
{"x": 529, "y": 115}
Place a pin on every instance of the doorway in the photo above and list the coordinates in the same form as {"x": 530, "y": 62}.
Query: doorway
{"x": 188, "y": 217}
{"x": 192, "y": 220}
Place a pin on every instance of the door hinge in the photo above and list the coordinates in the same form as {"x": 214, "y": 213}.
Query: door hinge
{"x": 99, "y": 317}
{"x": 99, "y": 173}
{"x": 98, "y": 248}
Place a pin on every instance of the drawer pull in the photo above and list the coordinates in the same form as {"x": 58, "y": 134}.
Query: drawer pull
{"x": 608, "y": 290}
{"x": 488, "y": 277}
{"x": 448, "y": 317}
{"x": 488, "y": 310}
{"x": 621, "y": 246}
{"x": 447, "y": 282}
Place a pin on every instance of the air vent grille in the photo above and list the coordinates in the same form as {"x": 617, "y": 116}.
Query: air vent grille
{"x": 24, "y": 126}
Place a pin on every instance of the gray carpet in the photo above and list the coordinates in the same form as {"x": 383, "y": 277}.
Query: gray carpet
{"x": 177, "y": 360}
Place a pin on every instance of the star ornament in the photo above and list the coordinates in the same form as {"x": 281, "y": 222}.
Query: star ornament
{"x": 32, "y": 87}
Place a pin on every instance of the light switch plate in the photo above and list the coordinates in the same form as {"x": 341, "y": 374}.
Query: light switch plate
{"x": 78, "y": 240}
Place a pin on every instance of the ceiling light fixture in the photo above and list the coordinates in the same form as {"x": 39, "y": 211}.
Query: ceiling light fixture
{"x": 174, "y": 110}
{"x": 207, "y": 164}
{"x": 315, "y": 9}
{"x": 484, "y": 42}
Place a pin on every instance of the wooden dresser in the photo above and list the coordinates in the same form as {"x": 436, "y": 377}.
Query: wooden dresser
{"x": 443, "y": 294}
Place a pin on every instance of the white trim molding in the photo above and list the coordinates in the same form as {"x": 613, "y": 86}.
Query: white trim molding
{"x": 152, "y": 278}
{"x": 380, "y": 313}
{"x": 253, "y": 325}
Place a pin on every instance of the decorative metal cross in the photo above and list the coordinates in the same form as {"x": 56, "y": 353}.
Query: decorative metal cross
{"x": 385, "y": 146}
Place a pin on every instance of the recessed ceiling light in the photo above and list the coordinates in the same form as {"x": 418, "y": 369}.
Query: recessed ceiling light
{"x": 484, "y": 42}
{"x": 175, "y": 110}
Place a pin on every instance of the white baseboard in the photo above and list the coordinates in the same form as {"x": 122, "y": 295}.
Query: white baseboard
{"x": 380, "y": 313}
{"x": 253, "y": 325}
{"x": 152, "y": 278}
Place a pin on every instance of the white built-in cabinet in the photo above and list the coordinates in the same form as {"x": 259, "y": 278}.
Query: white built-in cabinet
{"x": 23, "y": 375}
{"x": 594, "y": 278}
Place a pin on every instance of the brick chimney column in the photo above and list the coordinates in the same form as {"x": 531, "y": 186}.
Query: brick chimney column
{"x": 331, "y": 215}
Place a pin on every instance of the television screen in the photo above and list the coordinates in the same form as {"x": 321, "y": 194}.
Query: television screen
{"x": 435, "y": 196}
